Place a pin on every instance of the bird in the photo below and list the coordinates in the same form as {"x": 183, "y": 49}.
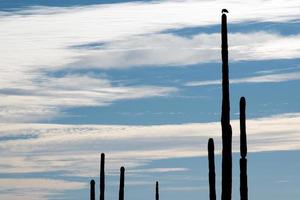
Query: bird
{"x": 225, "y": 11}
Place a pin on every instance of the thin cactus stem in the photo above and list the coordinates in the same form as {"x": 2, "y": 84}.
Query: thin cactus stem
{"x": 92, "y": 190}
{"x": 243, "y": 149}
{"x": 225, "y": 118}
{"x": 122, "y": 179}
{"x": 211, "y": 166}
{"x": 102, "y": 176}
{"x": 243, "y": 137}
{"x": 157, "y": 191}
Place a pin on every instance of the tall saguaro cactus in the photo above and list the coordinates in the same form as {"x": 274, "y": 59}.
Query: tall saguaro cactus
{"x": 156, "y": 191}
{"x": 243, "y": 149}
{"x": 92, "y": 190}
{"x": 122, "y": 179}
{"x": 102, "y": 176}
{"x": 211, "y": 167}
{"x": 225, "y": 118}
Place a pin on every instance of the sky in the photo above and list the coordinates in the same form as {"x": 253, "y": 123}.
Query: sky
{"x": 140, "y": 81}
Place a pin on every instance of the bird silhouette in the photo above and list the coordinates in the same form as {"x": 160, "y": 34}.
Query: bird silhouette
{"x": 225, "y": 11}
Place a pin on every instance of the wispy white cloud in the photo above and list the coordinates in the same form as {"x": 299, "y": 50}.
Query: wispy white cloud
{"x": 26, "y": 39}
{"x": 186, "y": 188}
{"x": 27, "y": 36}
{"x": 48, "y": 97}
{"x": 270, "y": 78}
{"x": 34, "y": 188}
{"x": 158, "y": 170}
{"x": 43, "y": 39}
{"x": 279, "y": 70}
{"x": 52, "y": 184}
{"x": 169, "y": 49}
{"x": 75, "y": 148}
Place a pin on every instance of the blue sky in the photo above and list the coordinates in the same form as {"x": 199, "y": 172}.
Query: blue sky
{"x": 140, "y": 80}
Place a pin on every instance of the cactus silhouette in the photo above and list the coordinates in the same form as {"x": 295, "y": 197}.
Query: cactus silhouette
{"x": 211, "y": 167}
{"x": 156, "y": 191}
{"x": 243, "y": 149}
{"x": 102, "y": 176}
{"x": 122, "y": 179}
{"x": 225, "y": 118}
{"x": 226, "y": 142}
{"x": 92, "y": 190}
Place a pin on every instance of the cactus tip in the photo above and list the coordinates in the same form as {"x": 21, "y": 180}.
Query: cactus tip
{"x": 122, "y": 168}
{"x": 211, "y": 144}
{"x": 243, "y": 100}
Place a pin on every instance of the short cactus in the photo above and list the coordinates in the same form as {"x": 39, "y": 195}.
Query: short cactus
{"x": 243, "y": 149}
{"x": 211, "y": 173}
{"x": 92, "y": 190}
{"x": 156, "y": 191}
{"x": 102, "y": 176}
{"x": 122, "y": 179}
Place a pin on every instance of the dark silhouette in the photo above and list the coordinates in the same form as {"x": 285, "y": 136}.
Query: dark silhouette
{"x": 122, "y": 179}
{"x": 92, "y": 190}
{"x": 225, "y": 11}
{"x": 226, "y": 142}
{"x": 156, "y": 191}
{"x": 211, "y": 167}
{"x": 102, "y": 176}
{"x": 225, "y": 118}
{"x": 243, "y": 149}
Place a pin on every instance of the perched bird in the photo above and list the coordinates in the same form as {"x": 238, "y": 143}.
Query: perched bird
{"x": 225, "y": 11}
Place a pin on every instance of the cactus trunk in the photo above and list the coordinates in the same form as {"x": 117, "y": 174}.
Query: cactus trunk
{"x": 225, "y": 119}
{"x": 122, "y": 178}
{"x": 243, "y": 149}
{"x": 211, "y": 173}
{"x": 157, "y": 191}
{"x": 92, "y": 190}
{"x": 102, "y": 176}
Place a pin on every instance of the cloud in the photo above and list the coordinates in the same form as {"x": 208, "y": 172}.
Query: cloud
{"x": 158, "y": 170}
{"x": 38, "y": 40}
{"x": 270, "y": 78}
{"x": 273, "y": 71}
{"x": 187, "y": 188}
{"x": 42, "y": 37}
{"x": 169, "y": 49}
{"x": 75, "y": 148}
{"x": 34, "y": 188}
{"x": 45, "y": 97}
{"x": 52, "y": 184}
